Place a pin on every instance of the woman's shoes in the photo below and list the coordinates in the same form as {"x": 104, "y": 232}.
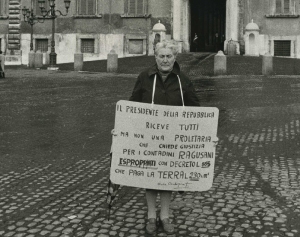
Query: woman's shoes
{"x": 151, "y": 226}
{"x": 167, "y": 226}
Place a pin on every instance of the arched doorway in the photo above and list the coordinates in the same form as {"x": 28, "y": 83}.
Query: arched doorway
{"x": 208, "y": 21}
{"x": 252, "y": 44}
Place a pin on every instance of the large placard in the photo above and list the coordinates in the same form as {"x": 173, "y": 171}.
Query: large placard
{"x": 164, "y": 147}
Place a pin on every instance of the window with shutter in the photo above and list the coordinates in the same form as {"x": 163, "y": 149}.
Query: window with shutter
{"x": 42, "y": 45}
{"x": 131, "y": 7}
{"x": 278, "y": 6}
{"x": 86, "y": 7}
{"x": 91, "y": 7}
{"x": 87, "y": 45}
{"x": 286, "y": 6}
{"x": 140, "y": 7}
{"x": 282, "y": 48}
{"x": 135, "y": 7}
{"x": 283, "y": 6}
{"x": 82, "y": 6}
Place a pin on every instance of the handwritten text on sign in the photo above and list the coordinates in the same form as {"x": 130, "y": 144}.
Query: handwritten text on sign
{"x": 164, "y": 147}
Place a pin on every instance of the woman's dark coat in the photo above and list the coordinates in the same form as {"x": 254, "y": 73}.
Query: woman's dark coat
{"x": 166, "y": 93}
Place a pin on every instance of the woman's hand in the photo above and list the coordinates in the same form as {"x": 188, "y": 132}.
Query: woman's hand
{"x": 113, "y": 132}
{"x": 215, "y": 141}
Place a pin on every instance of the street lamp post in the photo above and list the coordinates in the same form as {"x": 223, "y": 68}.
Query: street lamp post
{"x": 31, "y": 19}
{"x": 53, "y": 13}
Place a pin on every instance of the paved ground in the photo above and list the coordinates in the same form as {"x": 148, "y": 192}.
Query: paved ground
{"x": 54, "y": 146}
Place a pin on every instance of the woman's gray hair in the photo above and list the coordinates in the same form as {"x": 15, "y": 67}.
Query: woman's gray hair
{"x": 167, "y": 44}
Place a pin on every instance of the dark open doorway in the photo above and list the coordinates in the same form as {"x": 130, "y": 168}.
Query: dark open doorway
{"x": 208, "y": 18}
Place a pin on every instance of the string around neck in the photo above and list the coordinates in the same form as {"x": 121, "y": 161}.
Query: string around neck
{"x": 154, "y": 86}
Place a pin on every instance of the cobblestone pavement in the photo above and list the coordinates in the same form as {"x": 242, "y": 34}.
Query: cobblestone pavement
{"x": 54, "y": 146}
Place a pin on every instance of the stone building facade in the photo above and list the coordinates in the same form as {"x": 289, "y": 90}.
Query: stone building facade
{"x": 94, "y": 27}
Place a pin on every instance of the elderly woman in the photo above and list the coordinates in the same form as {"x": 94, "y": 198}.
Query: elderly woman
{"x": 172, "y": 87}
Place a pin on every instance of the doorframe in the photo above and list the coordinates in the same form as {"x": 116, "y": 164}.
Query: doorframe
{"x": 181, "y": 27}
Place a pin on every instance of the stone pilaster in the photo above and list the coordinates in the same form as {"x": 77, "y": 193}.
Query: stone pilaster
{"x": 241, "y": 5}
{"x": 14, "y": 25}
{"x": 177, "y": 22}
{"x": 232, "y": 23}
{"x": 185, "y": 26}
{"x": 13, "y": 56}
{"x": 232, "y": 19}
{"x": 241, "y": 18}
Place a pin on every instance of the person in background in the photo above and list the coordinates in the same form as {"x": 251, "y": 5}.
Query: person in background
{"x": 2, "y": 59}
{"x": 195, "y": 43}
{"x": 171, "y": 87}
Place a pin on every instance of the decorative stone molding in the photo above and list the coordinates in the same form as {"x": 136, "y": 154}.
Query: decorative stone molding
{"x": 87, "y": 16}
{"x": 14, "y": 54}
{"x": 95, "y": 37}
{"x": 14, "y": 25}
{"x": 282, "y": 16}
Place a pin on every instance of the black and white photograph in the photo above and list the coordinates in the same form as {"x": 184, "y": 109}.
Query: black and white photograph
{"x": 149, "y": 118}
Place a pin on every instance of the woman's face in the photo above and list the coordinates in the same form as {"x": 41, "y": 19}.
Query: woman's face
{"x": 165, "y": 60}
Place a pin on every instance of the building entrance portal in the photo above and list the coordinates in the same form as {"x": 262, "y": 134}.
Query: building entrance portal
{"x": 208, "y": 20}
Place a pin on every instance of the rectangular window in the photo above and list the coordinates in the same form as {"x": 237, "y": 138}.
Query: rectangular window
{"x": 286, "y": 7}
{"x": 42, "y": 45}
{"x": 278, "y": 6}
{"x": 87, "y": 45}
{"x": 282, "y": 48}
{"x": 135, "y": 7}
{"x": 86, "y": 7}
{"x": 283, "y": 6}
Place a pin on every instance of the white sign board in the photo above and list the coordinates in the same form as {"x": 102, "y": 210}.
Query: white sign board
{"x": 164, "y": 147}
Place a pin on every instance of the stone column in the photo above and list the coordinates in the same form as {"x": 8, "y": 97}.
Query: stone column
{"x": 177, "y": 18}
{"x": 232, "y": 22}
{"x": 185, "y": 26}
